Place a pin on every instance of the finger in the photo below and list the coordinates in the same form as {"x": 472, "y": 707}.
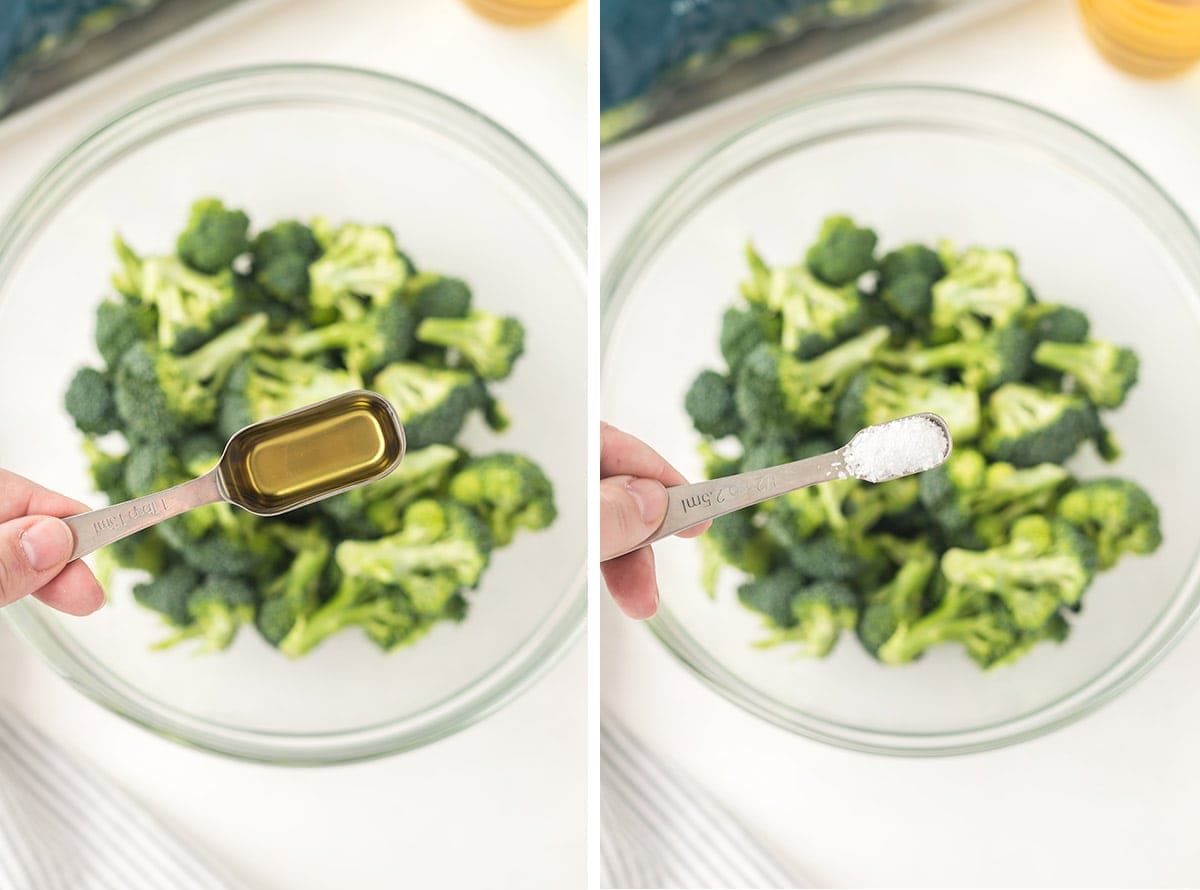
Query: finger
{"x": 624, "y": 455}
{"x": 33, "y": 549}
{"x": 630, "y": 580}
{"x": 20, "y": 497}
{"x": 631, "y": 510}
{"x": 74, "y": 590}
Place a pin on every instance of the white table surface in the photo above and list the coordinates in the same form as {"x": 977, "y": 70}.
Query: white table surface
{"x": 501, "y": 805}
{"x": 1109, "y": 801}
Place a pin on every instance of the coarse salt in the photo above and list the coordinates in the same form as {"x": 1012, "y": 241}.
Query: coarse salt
{"x": 897, "y": 448}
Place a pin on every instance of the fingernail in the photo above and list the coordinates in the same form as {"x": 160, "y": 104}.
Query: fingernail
{"x": 651, "y": 498}
{"x": 46, "y": 543}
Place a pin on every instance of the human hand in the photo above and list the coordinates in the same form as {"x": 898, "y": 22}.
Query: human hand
{"x": 35, "y": 545}
{"x": 633, "y": 502}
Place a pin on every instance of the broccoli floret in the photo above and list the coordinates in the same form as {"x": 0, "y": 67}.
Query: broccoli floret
{"x": 383, "y": 336}
{"x": 710, "y": 404}
{"x": 490, "y": 344}
{"x": 391, "y": 586}
{"x": 828, "y": 557}
{"x": 771, "y": 595}
{"x": 1000, "y": 356}
{"x": 1050, "y": 321}
{"x": 911, "y": 259}
{"x": 144, "y": 552}
{"x": 191, "y": 306}
{"x": 734, "y": 540}
{"x": 433, "y": 404}
{"x": 1027, "y": 426}
{"x": 265, "y": 386}
{"x": 107, "y": 472}
{"x": 978, "y": 284}
{"x": 906, "y": 277}
{"x": 282, "y": 255}
{"x": 216, "y": 610}
{"x": 169, "y": 593}
{"x": 716, "y": 464}
{"x": 1117, "y": 516}
{"x": 842, "y": 251}
{"x": 878, "y": 395}
{"x": 436, "y": 296}
{"x": 297, "y": 592}
{"x": 1046, "y": 564}
{"x": 89, "y": 401}
{"x": 158, "y": 395}
{"x": 744, "y": 329}
{"x": 899, "y": 602}
{"x": 121, "y": 324}
{"x": 961, "y": 616}
{"x": 774, "y": 388}
{"x": 1103, "y": 372}
{"x": 508, "y": 492}
{"x": 222, "y": 540}
{"x": 816, "y": 613}
{"x": 358, "y": 261}
{"x": 214, "y": 237}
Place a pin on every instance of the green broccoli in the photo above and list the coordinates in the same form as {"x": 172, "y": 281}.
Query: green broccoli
{"x": 297, "y": 591}
{"x": 158, "y": 395}
{"x": 828, "y": 557}
{"x": 1103, "y": 372}
{"x": 107, "y": 472}
{"x": 169, "y": 593}
{"x": 282, "y": 255}
{"x": 372, "y": 511}
{"x": 906, "y": 278}
{"x": 436, "y": 296}
{"x": 734, "y": 540}
{"x": 817, "y": 613}
{"x": 89, "y": 401}
{"x": 899, "y": 602}
{"x": 265, "y": 386}
{"x": 1050, "y": 321}
{"x": 999, "y": 356}
{"x": 214, "y": 237}
{"x": 978, "y": 283}
{"x": 842, "y": 252}
{"x": 1117, "y": 516}
{"x": 877, "y": 395}
{"x": 358, "y": 261}
{"x": 710, "y": 404}
{"x": 216, "y": 610}
{"x": 744, "y": 329}
{"x": 432, "y": 403}
{"x": 490, "y": 344}
{"x": 382, "y": 336}
{"x": 508, "y": 492}
{"x": 121, "y": 324}
{"x": 813, "y": 315}
{"x": 1027, "y": 426}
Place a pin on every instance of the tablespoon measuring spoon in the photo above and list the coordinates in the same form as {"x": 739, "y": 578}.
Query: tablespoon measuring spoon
{"x": 270, "y": 467}
{"x": 877, "y": 453}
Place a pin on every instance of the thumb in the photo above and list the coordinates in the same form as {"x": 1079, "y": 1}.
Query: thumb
{"x": 631, "y": 509}
{"x": 33, "y": 549}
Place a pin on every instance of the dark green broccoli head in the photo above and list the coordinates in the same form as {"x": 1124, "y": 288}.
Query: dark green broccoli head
{"x": 1102, "y": 371}
{"x": 436, "y": 296}
{"x": 433, "y": 404}
{"x": 1117, "y": 515}
{"x": 979, "y": 284}
{"x": 216, "y": 610}
{"x": 1027, "y": 426}
{"x": 744, "y": 329}
{"x": 897, "y": 603}
{"x": 282, "y": 255}
{"x": 169, "y": 594}
{"x": 878, "y": 395}
{"x": 771, "y": 595}
{"x": 382, "y": 336}
{"x": 107, "y": 472}
{"x": 151, "y": 467}
{"x": 842, "y": 252}
{"x": 911, "y": 259}
{"x": 214, "y": 237}
{"x": 819, "y": 613}
{"x": 489, "y": 344}
{"x": 89, "y": 401}
{"x": 1050, "y": 321}
{"x": 709, "y": 403}
{"x": 734, "y": 540}
{"x": 508, "y": 492}
{"x": 909, "y": 296}
{"x": 828, "y": 557}
{"x": 120, "y": 324}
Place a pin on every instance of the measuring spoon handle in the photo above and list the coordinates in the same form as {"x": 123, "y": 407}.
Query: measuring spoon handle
{"x": 107, "y": 525}
{"x": 690, "y": 505}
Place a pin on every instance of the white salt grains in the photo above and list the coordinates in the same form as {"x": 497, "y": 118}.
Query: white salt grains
{"x": 898, "y": 448}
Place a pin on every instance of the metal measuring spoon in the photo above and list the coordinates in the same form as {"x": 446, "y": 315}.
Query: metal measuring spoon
{"x": 270, "y": 467}
{"x": 690, "y": 505}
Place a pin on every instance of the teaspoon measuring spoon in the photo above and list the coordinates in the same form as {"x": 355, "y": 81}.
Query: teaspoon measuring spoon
{"x": 269, "y": 468}
{"x": 864, "y": 457}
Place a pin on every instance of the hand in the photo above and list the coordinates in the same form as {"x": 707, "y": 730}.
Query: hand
{"x": 35, "y": 545}
{"x": 633, "y": 502}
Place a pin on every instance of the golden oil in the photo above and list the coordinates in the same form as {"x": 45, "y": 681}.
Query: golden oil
{"x": 519, "y": 12}
{"x": 309, "y": 454}
{"x": 1149, "y": 38}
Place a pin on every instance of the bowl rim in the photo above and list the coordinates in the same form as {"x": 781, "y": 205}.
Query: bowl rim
{"x": 146, "y": 119}
{"x": 660, "y": 220}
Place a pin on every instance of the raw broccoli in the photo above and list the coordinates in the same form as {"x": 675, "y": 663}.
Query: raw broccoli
{"x": 107, "y": 472}
{"x": 1116, "y": 515}
{"x": 89, "y": 401}
{"x": 168, "y": 593}
{"x": 842, "y": 252}
{"x": 264, "y": 386}
{"x": 158, "y": 395}
{"x": 297, "y": 591}
{"x": 216, "y": 610}
{"x": 1027, "y": 426}
{"x": 1045, "y": 564}
{"x": 828, "y": 557}
{"x": 120, "y": 324}
{"x": 358, "y": 261}
{"x": 1050, "y": 321}
{"x": 899, "y": 603}
{"x": 774, "y": 388}
{"x": 145, "y": 552}
{"x": 716, "y": 464}
{"x": 390, "y": 586}
{"x": 1000, "y": 356}
{"x": 436, "y": 296}
{"x": 906, "y": 277}
{"x": 432, "y": 403}
{"x": 978, "y": 284}
{"x": 282, "y": 255}
{"x": 1103, "y": 372}
{"x": 710, "y": 404}
{"x": 771, "y": 595}
{"x": 744, "y": 329}
{"x": 734, "y": 540}
{"x": 490, "y": 344}
{"x": 191, "y": 306}
{"x": 382, "y": 336}
{"x": 508, "y": 492}
{"x": 817, "y": 613}
{"x": 877, "y": 395}
{"x": 214, "y": 237}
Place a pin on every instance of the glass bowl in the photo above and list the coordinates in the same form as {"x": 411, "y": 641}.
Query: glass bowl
{"x": 465, "y": 197}
{"x": 917, "y": 162}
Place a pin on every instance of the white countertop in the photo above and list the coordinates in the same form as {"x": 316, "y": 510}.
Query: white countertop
{"x": 1109, "y": 801}
{"x": 500, "y": 805}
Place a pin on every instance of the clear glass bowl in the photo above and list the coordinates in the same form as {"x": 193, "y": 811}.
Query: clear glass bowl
{"x": 463, "y": 196}
{"x": 1091, "y": 230}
